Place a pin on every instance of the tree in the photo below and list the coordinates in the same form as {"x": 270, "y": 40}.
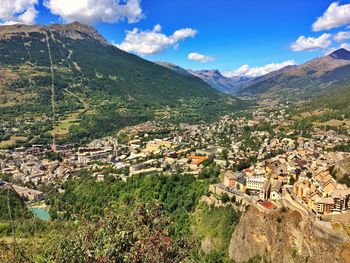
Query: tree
{"x": 141, "y": 234}
{"x": 225, "y": 198}
{"x": 291, "y": 180}
{"x": 233, "y": 199}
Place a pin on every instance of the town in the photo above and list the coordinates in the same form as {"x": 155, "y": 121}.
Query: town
{"x": 257, "y": 159}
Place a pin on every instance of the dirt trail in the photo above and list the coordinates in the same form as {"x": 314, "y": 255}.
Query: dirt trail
{"x": 53, "y": 102}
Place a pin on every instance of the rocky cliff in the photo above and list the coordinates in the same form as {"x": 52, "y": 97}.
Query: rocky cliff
{"x": 284, "y": 237}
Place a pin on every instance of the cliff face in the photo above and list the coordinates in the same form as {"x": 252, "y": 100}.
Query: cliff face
{"x": 283, "y": 237}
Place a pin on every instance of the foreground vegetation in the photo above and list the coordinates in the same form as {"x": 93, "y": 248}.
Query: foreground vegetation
{"x": 214, "y": 227}
{"x": 146, "y": 219}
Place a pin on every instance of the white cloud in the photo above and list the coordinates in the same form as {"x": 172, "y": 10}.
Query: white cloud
{"x": 153, "y": 41}
{"x": 93, "y": 11}
{"x": 335, "y": 16}
{"x": 311, "y": 43}
{"x": 341, "y": 36}
{"x": 345, "y": 46}
{"x": 332, "y": 49}
{"x": 247, "y": 71}
{"x": 329, "y": 50}
{"x": 200, "y": 57}
{"x": 18, "y": 12}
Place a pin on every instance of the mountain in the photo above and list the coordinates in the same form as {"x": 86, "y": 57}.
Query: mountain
{"x": 216, "y": 80}
{"x": 263, "y": 78}
{"x": 213, "y": 77}
{"x": 341, "y": 54}
{"x": 316, "y": 77}
{"x": 60, "y": 70}
{"x": 331, "y": 106}
{"x": 174, "y": 67}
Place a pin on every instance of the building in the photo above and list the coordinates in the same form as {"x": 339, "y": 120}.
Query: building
{"x": 341, "y": 200}
{"x": 324, "y": 205}
{"x": 235, "y": 180}
{"x": 148, "y": 171}
{"x": 86, "y": 155}
{"x": 28, "y": 194}
{"x": 230, "y": 179}
{"x": 197, "y": 160}
{"x": 255, "y": 183}
{"x": 275, "y": 190}
{"x": 210, "y": 152}
{"x": 265, "y": 190}
{"x": 220, "y": 162}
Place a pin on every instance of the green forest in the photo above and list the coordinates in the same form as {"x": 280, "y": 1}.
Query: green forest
{"x": 146, "y": 219}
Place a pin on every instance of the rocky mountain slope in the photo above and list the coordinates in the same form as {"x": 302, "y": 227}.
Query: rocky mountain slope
{"x": 283, "y": 237}
{"x": 316, "y": 77}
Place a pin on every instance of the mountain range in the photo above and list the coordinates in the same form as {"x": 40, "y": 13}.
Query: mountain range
{"x": 51, "y": 72}
{"x": 59, "y": 70}
{"x": 213, "y": 77}
{"x": 216, "y": 80}
{"x": 313, "y": 78}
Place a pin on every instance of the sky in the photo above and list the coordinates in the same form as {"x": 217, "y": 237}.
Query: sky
{"x": 239, "y": 38}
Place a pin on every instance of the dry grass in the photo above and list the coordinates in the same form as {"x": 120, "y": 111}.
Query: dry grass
{"x": 336, "y": 122}
{"x": 312, "y": 113}
{"x": 12, "y": 141}
{"x": 345, "y": 254}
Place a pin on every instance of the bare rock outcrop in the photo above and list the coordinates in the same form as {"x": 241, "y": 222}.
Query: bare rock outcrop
{"x": 283, "y": 237}
{"x": 73, "y": 30}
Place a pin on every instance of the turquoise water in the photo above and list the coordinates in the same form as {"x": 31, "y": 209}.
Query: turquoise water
{"x": 40, "y": 213}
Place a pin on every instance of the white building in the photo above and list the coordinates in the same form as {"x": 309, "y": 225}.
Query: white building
{"x": 255, "y": 183}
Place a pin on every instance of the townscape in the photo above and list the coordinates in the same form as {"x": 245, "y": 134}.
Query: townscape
{"x": 140, "y": 131}
{"x": 257, "y": 159}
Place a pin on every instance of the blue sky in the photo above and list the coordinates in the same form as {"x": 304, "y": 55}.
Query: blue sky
{"x": 227, "y": 33}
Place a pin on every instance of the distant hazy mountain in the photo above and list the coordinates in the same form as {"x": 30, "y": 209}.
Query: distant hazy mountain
{"x": 213, "y": 77}
{"x": 316, "y": 77}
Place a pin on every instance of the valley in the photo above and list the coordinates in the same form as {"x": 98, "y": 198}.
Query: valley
{"x": 108, "y": 157}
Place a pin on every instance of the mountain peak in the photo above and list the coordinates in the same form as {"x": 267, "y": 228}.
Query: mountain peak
{"x": 73, "y": 30}
{"x": 341, "y": 53}
{"x": 74, "y": 26}
{"x": 76, "y": 29}
{"x": 210, "y": 72}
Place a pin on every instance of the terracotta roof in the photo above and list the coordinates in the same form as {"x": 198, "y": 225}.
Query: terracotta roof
{"x": 267, "y": 204}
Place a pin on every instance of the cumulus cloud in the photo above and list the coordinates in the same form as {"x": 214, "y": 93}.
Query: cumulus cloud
{"x": 335, "y": 16}
{"x": 93, "y": 11}
{"x": 345, "y": 46}
{"x": 332, "y": 49}
{"x": 151, "y": 42}
{"x": 247, "y": 71}
{"x": 200, "y": 57}
{"x": 341, "y": 36}
{"x": 18, "y": 11}
{"x": 311, "y": 43}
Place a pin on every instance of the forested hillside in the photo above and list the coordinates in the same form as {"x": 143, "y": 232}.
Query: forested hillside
{"x": 71, "y": 74}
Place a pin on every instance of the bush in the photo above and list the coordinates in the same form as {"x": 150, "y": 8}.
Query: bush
{"x": 225, "y": 198}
